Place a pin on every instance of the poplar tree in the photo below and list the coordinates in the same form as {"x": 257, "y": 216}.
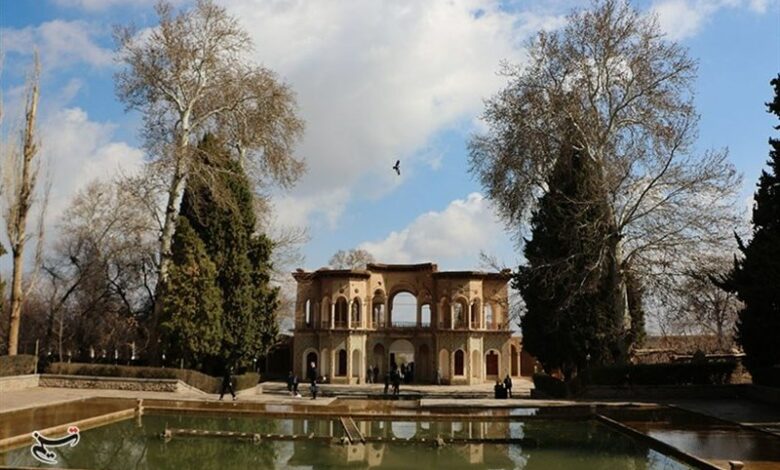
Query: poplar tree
{"x": 755, "y": 277}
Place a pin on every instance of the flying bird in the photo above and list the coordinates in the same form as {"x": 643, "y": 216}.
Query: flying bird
{"x": 397, "y": 167}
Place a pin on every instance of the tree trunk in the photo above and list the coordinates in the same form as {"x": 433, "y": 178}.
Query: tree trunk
{"x": 621, "y": 320}
{"x": 16, "y": 298}
{"x": 166, "y": 237}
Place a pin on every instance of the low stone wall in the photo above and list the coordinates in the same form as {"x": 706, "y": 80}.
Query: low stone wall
{"x": 18, "y": 382}
{"x": 110, "y": 383}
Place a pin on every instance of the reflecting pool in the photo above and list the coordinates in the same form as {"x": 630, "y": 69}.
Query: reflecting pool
{"x": 136, "y": 443}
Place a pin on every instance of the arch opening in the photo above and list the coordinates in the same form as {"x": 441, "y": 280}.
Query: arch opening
{"x": 460, "y": 363}
{"x": 403, "y": 310}
{"x": 341, "y": 363}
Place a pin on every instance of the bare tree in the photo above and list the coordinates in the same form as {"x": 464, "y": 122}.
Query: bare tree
{"x": 20, "y": 190}
{"x": 355, "y": 258}
{"x": 626, "y": 92}
{"x": 101, "y": 266}
{"x": 189, "y": 76}
{"x": 698, "y": 306}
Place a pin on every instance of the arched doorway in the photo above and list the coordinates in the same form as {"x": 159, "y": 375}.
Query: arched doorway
{"x": 379, "y": 359}
{"x": 491, "y": 364}
{"x": 476, "y": 361}
{"x": 460, "y": 310}
{"x": 308, "y": 358}
{"x": 422, "y": 367}
{"x": 514, "y": 357}
{"x": 460, "y": 363}
{"x": 357, "y": 363}
{"x": 444, "y": 364}
{"x": 341, "y": 363}
{"x": 401, "y": 352}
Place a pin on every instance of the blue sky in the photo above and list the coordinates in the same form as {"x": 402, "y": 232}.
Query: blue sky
{"x": 378, "y": 81}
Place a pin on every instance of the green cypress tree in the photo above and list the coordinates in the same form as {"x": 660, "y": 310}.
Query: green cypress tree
{"x": 222, "y": 214}
{"x": 569, "y": 322}
{"x": 755, "y": 278}
{"x": 191, "y": 326}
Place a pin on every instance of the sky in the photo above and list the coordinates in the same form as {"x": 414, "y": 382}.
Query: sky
{"x": 376, "y": 81}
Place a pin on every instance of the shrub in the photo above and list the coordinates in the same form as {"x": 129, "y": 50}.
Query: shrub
{"x": 685, "y": 373}
{"x": 550, "y": 386}
{"x": 193, "y": 378}
{"x": 21, "y": 364}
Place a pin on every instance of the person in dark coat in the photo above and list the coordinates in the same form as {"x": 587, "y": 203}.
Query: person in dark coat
{"x": 508, "y": 385}
{"x": 396, "y": 382}
{"x": 290, "y": 382}
{"x": 498, "y": 390}
{"x": 226, "y": 384}
{"x": 312, "y": 376}
{"x": 387, "y": 382}
{"x": 376, "y": 374}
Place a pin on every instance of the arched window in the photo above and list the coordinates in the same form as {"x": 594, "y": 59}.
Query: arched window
{"x": 341, "y": 313}
{"x": 356, "y": 313}
{"x": 444, "y": 315}
{"x": 489, "y": 320}
{"x": 403, "y": 311}
{"x": 378, "y": 311}
{"x": 425, "y": 315}
{"x": 459, "y": 363}
{"x": 460, "y": 309}
{"x": 475, "y": 314}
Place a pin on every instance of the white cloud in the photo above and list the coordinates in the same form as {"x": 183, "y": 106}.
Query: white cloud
{"x": 681, "y": 19}
{"x": 453, "y": 237}
{"x": 60, "y": 44}
{"x": 377, "y": 81}
{"x": 78, "y": 151}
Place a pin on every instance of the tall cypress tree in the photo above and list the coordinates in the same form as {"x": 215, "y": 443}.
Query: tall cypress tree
{"x": 222, "y": 214}
{"x": 191, "y": 320}
{"x": 566, "y": 282}
{"x": 755, "y": 278}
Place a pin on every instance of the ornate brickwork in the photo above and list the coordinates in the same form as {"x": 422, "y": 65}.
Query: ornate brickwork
{"x": 344, "y": 321}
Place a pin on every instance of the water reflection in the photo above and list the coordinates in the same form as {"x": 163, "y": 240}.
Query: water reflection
{"x": 547, "y": 444}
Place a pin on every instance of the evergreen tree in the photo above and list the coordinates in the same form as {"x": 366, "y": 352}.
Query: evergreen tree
{"x": 755, "y": 278}
{"x": 191, "y": 327}
{"x": 222, "y": 214}
{"x": 570, "y": 320}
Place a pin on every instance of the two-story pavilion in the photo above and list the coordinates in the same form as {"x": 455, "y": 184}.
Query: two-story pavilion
{"x": 345, "y": 323}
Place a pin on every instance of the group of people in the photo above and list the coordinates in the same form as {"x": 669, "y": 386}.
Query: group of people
{"x": 503, "y": 389}
{"x": 394, "y": 377}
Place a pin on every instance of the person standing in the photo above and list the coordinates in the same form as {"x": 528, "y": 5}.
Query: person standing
{"x": 369, "y": 374}
{"x": 387, "y": 382}
{"x": 508, "y": 385}
{"x": 290, "y": 382}
{"x": 226, "y": 383}
{"x": 312, "y": 376}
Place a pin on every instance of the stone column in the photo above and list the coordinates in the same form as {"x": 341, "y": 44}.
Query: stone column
{"x": 349, "y": 314}
{"x": 332, "y": 316}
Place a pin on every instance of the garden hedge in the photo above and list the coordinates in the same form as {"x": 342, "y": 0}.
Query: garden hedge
{"x": 21, "y": 364}
{"x": 676, "y": 373}
{"x": 193, "y": 378}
